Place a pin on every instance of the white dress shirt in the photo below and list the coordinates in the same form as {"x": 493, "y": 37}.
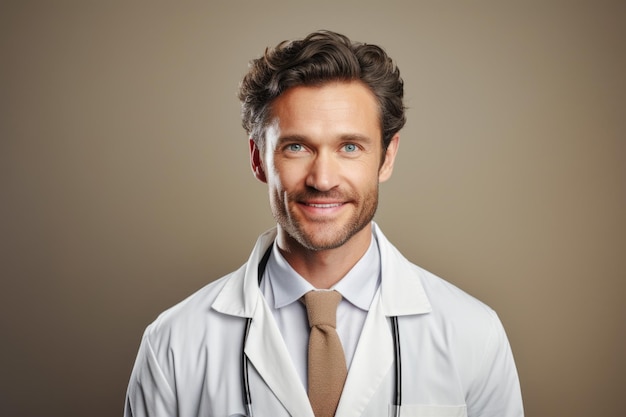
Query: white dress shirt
{"x": 283, "y": 287}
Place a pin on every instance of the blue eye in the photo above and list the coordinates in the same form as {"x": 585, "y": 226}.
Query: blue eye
{"x": 294, "y": 147}
{"x": 350, "y": 147}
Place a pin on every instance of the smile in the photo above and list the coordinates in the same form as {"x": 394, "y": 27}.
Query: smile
{"x": 324, "y": 205}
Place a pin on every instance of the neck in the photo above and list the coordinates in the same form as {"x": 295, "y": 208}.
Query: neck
{"x": 324, "y": 268}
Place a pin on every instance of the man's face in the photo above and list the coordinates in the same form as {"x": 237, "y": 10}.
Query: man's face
{"x": 322, "y": 163}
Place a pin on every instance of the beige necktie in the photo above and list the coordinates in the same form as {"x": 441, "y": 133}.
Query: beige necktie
{"x": 327, "y": 362}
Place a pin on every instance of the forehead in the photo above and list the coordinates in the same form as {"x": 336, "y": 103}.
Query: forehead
{"x": 331, "y": 108}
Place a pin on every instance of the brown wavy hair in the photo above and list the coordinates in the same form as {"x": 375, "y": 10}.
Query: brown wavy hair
{"x": 321, "y": 57}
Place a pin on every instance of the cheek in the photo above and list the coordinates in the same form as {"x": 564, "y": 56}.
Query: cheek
{"x": 288, "y": 176}
{"x": 363, "y": 175}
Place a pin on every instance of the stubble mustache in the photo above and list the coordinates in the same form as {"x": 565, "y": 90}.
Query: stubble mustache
{"x": 316, "y": 195}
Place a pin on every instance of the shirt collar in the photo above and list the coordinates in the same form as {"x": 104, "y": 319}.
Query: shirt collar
{"x": 358, "y": 286}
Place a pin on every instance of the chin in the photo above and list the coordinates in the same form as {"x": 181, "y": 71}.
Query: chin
{"x": 326, "y": 237}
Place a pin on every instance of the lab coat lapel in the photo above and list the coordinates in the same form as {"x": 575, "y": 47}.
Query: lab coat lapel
{"x": 268, "y": 354}
{"x": 371, "y": 363}
{"x": 265, "y": 347}
{"x": 400, "y": 294}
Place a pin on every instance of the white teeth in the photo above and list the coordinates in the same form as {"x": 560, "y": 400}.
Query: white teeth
{"x": 324, "y": 205}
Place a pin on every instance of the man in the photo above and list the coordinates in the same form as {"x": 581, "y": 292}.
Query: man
{"x": 323, "y": 115}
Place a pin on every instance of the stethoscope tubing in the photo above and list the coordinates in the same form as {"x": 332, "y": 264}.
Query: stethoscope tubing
{"x": 245, "y": 381}
{"x": 398, "y": 365}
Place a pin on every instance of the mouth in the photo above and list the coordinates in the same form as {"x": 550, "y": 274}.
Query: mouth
{"x": 323, "y": 205}
{"x": 322, "y": 209}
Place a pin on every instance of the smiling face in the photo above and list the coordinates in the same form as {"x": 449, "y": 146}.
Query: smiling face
{"x": 322, "y": 164}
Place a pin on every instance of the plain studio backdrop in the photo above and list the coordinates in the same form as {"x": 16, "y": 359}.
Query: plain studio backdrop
{"x": 125, "y": 182}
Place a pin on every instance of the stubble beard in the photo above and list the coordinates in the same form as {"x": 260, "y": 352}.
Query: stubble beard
{"x": 324, "y": 235}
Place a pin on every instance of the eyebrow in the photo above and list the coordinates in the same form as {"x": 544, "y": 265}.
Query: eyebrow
{"x": 348, "y": 137}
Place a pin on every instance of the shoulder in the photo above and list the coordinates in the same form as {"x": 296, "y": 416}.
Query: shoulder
{"x": 448, "y": 300}
{"x": 460, "y": 330}
{"x": 468, "y": 328}
{"x": 190, "y": 319}
{"x": 178, "y": 346}
{"x": 419, "y": 290}
{"x": 409, "y": 289}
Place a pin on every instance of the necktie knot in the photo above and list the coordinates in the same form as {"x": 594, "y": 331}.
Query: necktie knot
{"x": 321, "y": 307}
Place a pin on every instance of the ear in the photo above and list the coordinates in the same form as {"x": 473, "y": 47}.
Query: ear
{"x": 256, "y": 162}
{"x": 384, "y": 173}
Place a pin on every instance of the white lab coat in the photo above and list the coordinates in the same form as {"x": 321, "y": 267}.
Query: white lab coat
{"x": 456, "y": 360}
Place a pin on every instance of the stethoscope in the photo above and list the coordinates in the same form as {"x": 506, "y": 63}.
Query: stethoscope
{"x": 245, "y": 382}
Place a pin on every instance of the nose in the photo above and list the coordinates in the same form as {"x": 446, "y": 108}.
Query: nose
{"x": 323, "y": 172}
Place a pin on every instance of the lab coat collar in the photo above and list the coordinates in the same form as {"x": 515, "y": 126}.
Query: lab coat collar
{"x": 401, "y": 288}
{"x": 402, "y": 293}
{"x": 241, "y": 292}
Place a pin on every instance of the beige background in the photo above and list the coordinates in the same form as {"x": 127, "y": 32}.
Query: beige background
{"x": 125, "y": 183}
